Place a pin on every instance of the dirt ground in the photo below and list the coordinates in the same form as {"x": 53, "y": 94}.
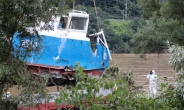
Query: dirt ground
{"x": 141, "y": 67}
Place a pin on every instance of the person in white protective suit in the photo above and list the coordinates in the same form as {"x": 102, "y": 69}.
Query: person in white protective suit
{"x": 6, "y": 95}
{"x": 152, "y": 82}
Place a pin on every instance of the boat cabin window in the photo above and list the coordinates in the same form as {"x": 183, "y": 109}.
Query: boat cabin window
{"x": 63, "y": 22}
{"x": 78, "y": 23}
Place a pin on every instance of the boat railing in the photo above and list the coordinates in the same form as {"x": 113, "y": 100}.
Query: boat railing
{"x": 102, "y": 41}
{"x": 77, "y": 11}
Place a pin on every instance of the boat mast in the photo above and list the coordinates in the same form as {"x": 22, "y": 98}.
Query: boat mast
{"x": 96, "y": 15}
{"x": 73, "y": 4}
{"x": 126, "y": 8}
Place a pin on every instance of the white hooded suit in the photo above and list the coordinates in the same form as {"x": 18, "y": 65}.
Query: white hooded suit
{"x": 152, "y": 82}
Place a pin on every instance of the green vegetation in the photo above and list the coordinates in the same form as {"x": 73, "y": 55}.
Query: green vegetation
{"x": 16, "y": 16}
{"x": 165, "y": 24}
{"x": 119, "y": 27}
{"x": 118, "y": 35}
{"x": 126, "y": 31}
{"x": 124, "y": 94}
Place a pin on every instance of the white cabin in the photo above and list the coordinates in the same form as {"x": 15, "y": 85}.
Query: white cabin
{"x": 74, "y": 25}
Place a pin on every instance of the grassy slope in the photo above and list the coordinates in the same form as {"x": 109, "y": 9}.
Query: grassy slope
{"x": 119, "y": 27}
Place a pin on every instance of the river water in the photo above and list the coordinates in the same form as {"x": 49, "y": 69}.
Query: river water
{"x": 139, "y": 67}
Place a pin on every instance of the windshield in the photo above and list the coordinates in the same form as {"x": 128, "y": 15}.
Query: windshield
{"x": 78, "y": 23}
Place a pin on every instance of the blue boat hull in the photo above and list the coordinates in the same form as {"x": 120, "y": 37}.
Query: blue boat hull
{"x": 65, "y": 52}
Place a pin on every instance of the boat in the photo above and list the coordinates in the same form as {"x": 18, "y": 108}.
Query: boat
{"x": 64, "y": 43}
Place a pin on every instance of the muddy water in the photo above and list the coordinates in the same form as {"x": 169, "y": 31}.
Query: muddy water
{"x": 139, "y": 67}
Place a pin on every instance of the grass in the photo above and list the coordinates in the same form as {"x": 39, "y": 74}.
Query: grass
{"x": 119, "y": 26}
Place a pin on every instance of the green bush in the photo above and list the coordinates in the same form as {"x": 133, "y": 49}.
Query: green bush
{"x": 126, "y": 96}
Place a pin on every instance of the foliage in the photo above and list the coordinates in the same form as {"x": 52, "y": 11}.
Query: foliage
{"x": 150, "y": 7}
{"x": 163, "y": 25}
{"x": 137, "y": 23}
{"x": 152, "y": 37}
{"x": 17, "y": 16}
{"x": 177, "y": 61}
{"x": 118, "y": 35}
{"x": 119, "y": 27}
{"x": 123, "y": 93}
{"x": 113, "y": 8}
{"x": 8, "y": 105}
{"x": 169, "y": 10}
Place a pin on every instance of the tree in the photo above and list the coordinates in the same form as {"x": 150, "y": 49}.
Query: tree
{"x": 136, "y": 23}
{"x": 17, "y": 16}
{"x": 173, "y": 9}
{"x": 153, "y": 36}
{"x": 177, "y": 61}
{"x": 161, "y": 26}
{"x": 150, "y": 7}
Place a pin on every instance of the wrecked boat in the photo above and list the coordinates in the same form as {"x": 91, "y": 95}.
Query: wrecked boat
{"x": 64, "y": 43}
